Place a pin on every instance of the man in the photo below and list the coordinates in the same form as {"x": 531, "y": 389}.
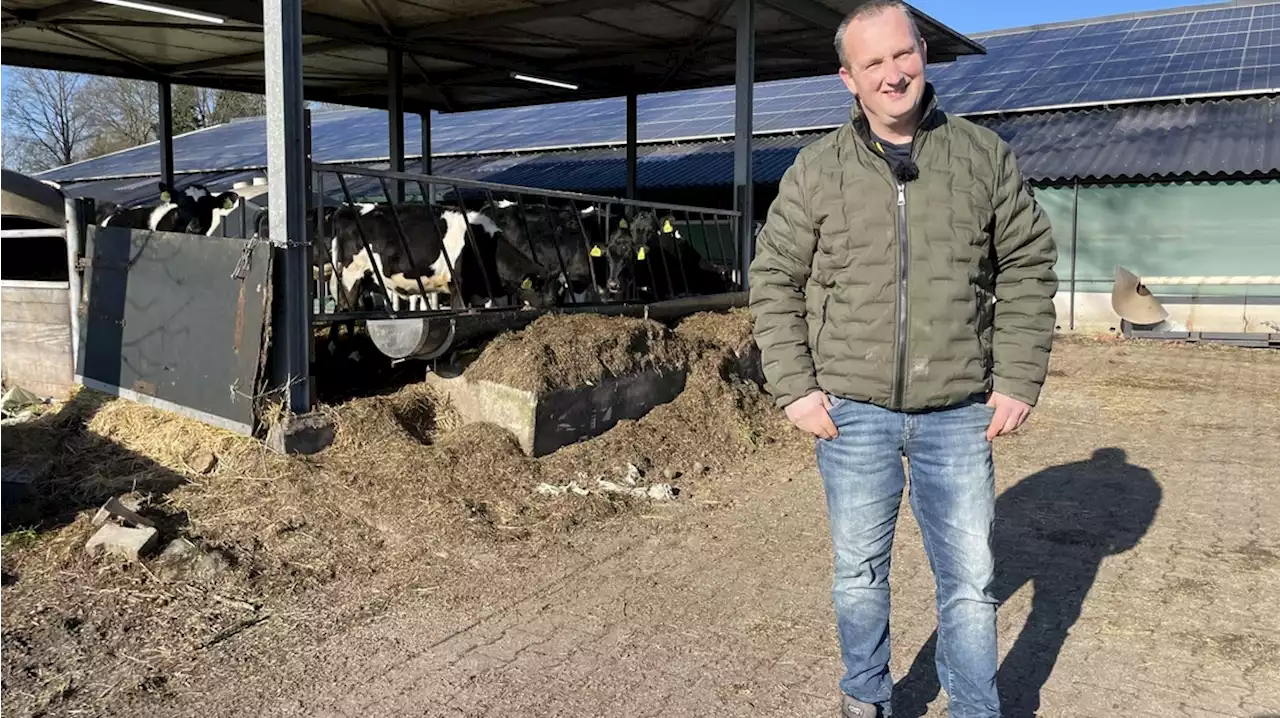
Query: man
{"x": 902, "y": 294}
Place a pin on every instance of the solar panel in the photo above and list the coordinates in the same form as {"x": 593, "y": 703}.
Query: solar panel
{"x": 1214, "y": 51}
{"x": 1173, "y": 54}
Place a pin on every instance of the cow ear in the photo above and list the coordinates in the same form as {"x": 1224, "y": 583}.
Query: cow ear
{"x": 596, "y": 251}
{"x": 641, "y": 253}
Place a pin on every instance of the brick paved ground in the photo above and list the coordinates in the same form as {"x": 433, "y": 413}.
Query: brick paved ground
{"x": 1137, "y": 582}
{"x": 1138, "y": 564}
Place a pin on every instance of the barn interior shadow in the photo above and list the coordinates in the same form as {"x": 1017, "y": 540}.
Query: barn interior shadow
{"x": 55, "y": 467}
{"x": 1053, "y": 530}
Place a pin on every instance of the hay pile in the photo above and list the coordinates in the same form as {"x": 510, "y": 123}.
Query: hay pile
{"x": 402, "y": 468}
{"x": 565, "y": 351}
{"x": 403, "y": 483}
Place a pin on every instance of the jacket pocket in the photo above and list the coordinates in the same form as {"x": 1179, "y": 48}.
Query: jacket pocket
{"x": 822, "y": 324}
{"x": 984, "y": 322}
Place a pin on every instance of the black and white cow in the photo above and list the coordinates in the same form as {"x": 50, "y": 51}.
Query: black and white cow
{"x": 441, "y": 251}
{"x": 192, "y": 211}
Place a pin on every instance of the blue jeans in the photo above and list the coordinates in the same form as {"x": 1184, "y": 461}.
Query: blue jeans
{"x": 953, "y": 499}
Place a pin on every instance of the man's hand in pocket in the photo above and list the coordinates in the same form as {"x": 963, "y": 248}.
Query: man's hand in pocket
{"x": 810, "y": 414}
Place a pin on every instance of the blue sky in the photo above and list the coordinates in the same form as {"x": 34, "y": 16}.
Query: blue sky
{"x": 969, "y": 16}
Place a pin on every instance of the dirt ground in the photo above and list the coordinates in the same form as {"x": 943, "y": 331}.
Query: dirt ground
{"x": 1139, "y": 560}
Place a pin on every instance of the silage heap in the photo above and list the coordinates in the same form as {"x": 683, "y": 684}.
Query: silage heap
{"x": 402, "y": 470}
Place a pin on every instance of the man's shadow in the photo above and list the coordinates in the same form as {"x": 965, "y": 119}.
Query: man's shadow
{"x": 1053, "y": 530}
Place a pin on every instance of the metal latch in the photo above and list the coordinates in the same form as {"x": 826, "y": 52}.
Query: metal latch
{"x": 246, "y": 260}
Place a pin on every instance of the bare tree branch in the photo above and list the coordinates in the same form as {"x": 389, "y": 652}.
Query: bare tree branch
{"x": 50, "y": 110}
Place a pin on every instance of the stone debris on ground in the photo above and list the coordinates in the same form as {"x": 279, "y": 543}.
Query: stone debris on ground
{"x": 122, "y": 529}
{"x": 183, "y": 559}
{"x": 125, "y": 542}
{"x": 202, "y": 461}
{"x": 631, "y": 476}
{"x": 560, "y": 489}
{"x": 17, "y": 399}
{"x": 124, "y": 509}
{"x": 21, "y": 417}
{"x": 657, "y": 492}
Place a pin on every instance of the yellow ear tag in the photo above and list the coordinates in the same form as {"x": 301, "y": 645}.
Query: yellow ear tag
{"x": 641, "y": 253}
{"x": 164, "y": 196}
{"x": 622, "y": 224}
{"x": 227, "y": 204}
{"x": 595, "y": 251}
{"x": 527, "y": 284}
{"x": 666, "y": 227}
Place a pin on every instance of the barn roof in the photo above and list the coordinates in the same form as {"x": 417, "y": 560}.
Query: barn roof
{"x": 458, "y": 55}
{"x": 1200, "y": 138}
{"x": 1093, "y": 136}
{"x": 1225, "y": 138}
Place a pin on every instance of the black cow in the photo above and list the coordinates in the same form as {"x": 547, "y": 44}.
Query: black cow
{"x": 648, "y": 259}
{"x": 560, "y": 241}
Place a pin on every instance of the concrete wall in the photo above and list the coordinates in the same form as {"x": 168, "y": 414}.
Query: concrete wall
{"x": 35, "y": 331}
{"x": 1175, "y": 230}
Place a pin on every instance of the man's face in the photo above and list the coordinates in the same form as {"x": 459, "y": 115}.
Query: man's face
{"x": 885, "y": 65}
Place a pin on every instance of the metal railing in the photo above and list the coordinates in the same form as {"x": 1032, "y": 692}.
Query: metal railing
{"x": 550, "y": 249}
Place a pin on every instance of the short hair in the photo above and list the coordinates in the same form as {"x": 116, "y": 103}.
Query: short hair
{"x": 869, "y": 8}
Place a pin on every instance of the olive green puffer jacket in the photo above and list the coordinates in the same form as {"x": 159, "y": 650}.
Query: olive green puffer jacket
{"x": 914, "y": 295}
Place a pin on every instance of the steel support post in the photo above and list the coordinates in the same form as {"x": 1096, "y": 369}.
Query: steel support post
{"x": 76, "y": 218}
{"x": 743, "y": 182}
{"x": 425, "y": 121}
{"x": 165, "y": 114}
{"x": 395, "y": 118}
{"x": 1075, "y": 226}
{"x": 632, "y": 150}
{"x": 287, "y": 178}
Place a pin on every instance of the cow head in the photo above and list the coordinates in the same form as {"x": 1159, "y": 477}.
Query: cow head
{"x": 185, "y": 202}
{"x": 627, "y": 252}
{"x": 207, "y": 207}
{"x": 539, "y": 292}
{"x": 668, "y": 232}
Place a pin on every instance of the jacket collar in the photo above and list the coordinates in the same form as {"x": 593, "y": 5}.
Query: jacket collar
{"x": 928, "y": 118}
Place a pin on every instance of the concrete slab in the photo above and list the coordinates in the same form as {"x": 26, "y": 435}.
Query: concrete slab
{"x": 545, "y": 422}
{"x": 301, "y": 434}
{"x": 122, "y": 541}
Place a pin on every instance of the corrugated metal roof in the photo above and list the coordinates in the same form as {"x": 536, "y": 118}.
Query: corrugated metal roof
{"x": 659, "y": 166}
{"x": 1238, "y": 137}
{"x": 1202, "y": 138}
{"x": 1206, "y": 138}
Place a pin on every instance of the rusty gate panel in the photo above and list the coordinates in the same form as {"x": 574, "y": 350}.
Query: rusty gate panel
{"x": 176, "y": 321}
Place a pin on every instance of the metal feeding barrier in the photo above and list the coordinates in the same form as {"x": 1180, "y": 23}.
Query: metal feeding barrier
{"x": 502, "y": 255}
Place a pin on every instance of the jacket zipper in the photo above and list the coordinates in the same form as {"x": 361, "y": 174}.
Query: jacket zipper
{"x": 822, "y": 324}
{"x": 900, "y": 368}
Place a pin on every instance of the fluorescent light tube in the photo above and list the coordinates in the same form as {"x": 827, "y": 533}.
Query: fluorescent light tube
{"x": 162, "y": 10}
{"x": 544, "y": 81}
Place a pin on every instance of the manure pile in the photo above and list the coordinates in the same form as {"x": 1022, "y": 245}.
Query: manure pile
{"x": 402, "y": 470}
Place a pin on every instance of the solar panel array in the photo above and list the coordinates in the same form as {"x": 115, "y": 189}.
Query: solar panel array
{"x": 1172, "y": 54}
{"x": 1169, "y": 55}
